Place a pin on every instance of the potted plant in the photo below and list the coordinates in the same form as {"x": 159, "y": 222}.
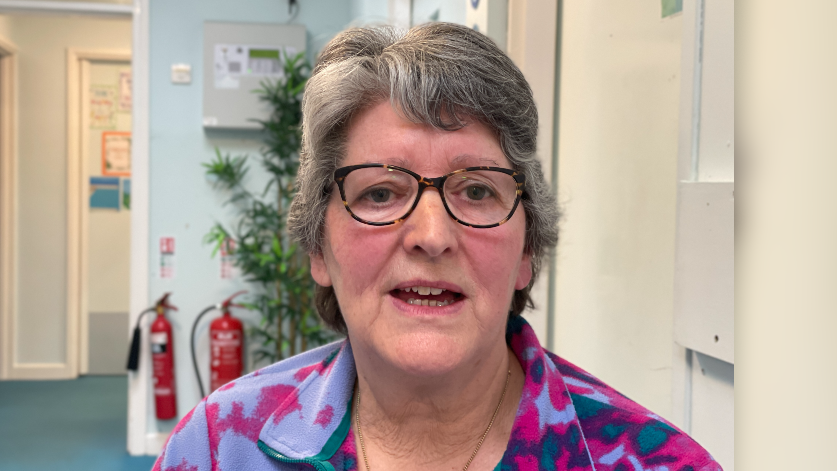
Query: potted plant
{"x": 258, "y": 242}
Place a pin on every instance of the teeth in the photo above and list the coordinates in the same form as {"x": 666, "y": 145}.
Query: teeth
{"x": 427, "y": 302}
{"x": 423, "y": 290}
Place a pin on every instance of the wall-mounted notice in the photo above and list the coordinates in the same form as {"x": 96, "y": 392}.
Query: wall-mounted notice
{"x": 228, "y": 268}
{"x": 125, "y": 100}
{"x": 167, "y": 261}
{"x": 234, "y": 61}
{"x": 116, "y": 153}
{"x": 102, "y": 107}
{"x": 104, "y": 193}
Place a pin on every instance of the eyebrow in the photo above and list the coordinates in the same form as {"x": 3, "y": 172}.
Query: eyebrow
{"x": 456, "y": 162}
{"x": 397, "y": 161}
{"x": 482, "y": 160}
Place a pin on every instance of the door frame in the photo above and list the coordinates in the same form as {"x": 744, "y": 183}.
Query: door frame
{"x": 8, "y": 204}
{"x": 78, "y": 119}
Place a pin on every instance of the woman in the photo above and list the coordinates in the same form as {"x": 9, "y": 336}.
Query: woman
{"x": 426, "y": 215}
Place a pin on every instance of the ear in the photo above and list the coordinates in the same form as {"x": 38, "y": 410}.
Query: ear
{"x": 524, "y": 272}
{"x": 319, "y": 271}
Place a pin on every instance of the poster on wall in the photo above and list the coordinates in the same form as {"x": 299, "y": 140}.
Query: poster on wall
{"x": 167, "y": 261}
{"x": 116, "y": 153}
{"x": 125, "y": 100}
{"x": 102, "y": 107}
{"x": 104, "y": 193}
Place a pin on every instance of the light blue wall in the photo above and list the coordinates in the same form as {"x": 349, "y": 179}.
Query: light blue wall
{"x": 452, "y": 11}
{"x": 182, "y": 202}
{"x": 366, "y": 12}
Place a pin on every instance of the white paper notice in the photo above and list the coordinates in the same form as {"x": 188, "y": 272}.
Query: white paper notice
{"x": 167, "y": 261}
{"x": 228, "y": 268}
{"x": 102, "y": 107}
{"x": 125, "y": 100}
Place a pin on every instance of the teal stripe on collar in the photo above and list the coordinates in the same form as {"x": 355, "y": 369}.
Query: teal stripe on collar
{"x": 316, "y": 464}
{"x": 338, "y": 437}
{"x": 320, "y": 460}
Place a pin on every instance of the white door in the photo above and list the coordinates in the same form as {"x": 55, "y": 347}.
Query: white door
{"x": 106, "y": 218}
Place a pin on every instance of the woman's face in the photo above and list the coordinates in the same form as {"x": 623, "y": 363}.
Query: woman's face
{"x": 370, "y": 267}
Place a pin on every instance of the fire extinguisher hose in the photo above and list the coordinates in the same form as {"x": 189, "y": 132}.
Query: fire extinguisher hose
{"x": 194, "y": 359}
{"x": 134, "y": 351}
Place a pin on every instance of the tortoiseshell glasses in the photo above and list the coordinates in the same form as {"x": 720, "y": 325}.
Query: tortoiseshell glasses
{"x": 380, "y": 194}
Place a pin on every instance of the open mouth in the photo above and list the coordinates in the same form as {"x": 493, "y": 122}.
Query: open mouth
{"x": 426, "y": 296}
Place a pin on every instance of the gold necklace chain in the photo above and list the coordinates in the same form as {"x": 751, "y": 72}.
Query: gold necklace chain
{"x": 479, "y": 445}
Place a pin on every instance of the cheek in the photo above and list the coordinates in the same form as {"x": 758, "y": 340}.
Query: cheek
{"x": 359, "y": 252}
{"x": 495, "y": 258}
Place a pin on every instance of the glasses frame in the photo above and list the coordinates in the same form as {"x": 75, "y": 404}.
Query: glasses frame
{"x": 439, "y": 182}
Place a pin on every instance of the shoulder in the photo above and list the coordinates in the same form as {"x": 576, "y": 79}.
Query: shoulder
{"x": 227, "y": 423}
{"x": 272, "y": 384}
{"x": 248, "y": 402}
{"x": 623, "y": 435}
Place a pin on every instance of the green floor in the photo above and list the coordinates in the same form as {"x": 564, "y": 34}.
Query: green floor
{"x": 66, "y": 425}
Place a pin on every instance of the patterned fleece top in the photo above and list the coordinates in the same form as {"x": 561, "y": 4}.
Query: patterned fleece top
{"x": 296, "y": 415}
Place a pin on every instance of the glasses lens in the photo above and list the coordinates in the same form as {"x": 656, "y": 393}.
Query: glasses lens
{"x": 377, "y": 194}
{"x": 480, "y": 197}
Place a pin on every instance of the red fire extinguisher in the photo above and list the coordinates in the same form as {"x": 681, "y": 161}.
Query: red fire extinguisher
{"x": 162, "y": 357}
{"x": 226, "y": 339}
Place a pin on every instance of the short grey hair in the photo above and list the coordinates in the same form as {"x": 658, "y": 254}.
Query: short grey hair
{"x": 439, "y": 74}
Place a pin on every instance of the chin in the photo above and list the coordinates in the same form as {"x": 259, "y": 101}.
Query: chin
{"x": 428, "y": 354}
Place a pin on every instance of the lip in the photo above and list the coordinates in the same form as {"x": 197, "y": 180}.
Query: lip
{"x": 426, "y": 311}
{"x": 430, "y": 284}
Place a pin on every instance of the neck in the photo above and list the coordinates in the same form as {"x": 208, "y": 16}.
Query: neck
{"x": 436, "y": 422}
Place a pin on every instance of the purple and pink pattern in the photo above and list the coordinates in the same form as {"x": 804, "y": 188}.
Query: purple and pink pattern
{"x": 567, "y": 420}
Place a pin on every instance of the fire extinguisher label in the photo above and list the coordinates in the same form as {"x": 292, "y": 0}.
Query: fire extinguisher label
{"x": 159, "y": 342}
{"x": 226, "y": 364}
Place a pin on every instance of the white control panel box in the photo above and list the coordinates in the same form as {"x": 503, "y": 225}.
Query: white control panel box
{"x": 237, "y": 59}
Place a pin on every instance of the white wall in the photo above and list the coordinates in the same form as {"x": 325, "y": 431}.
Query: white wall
{"x": 5, "y": 26}
{"x": 41, "y": 317}
{"x": 617, "y": 173}
{"x": 785, "y": 241}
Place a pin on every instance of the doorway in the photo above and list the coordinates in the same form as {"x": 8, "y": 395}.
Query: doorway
{"x": 99, "y": 225}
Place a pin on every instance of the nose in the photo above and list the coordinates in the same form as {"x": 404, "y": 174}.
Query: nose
{"x": 430, "y": 229}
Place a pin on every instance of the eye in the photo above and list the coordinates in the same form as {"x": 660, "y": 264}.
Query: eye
{"x": 476, "y": 192}
{"x": 379, "y": 195}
